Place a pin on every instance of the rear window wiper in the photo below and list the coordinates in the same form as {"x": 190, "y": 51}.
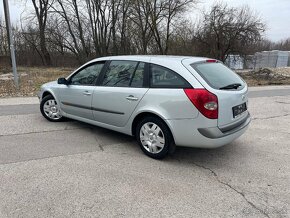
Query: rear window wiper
{"x": 232, "y": 86}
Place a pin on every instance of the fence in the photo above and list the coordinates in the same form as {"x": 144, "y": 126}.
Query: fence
{"x": 271, "y": 59}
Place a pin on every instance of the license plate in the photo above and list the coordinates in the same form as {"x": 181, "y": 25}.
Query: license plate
{"x": 239, "y": 109}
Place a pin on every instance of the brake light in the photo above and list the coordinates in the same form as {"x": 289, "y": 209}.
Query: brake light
{"x": 211, "y": 61}
{"x": 204, "y": 101}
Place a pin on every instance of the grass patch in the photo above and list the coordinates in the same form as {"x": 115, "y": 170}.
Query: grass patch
{"x": 31, "y": 78}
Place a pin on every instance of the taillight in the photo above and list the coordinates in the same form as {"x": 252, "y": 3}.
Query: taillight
{"x": 204, "y": 101}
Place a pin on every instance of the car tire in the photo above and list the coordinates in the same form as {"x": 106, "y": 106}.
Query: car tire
{"x": 50, "y": 109}
{"x": 154, "y": 137}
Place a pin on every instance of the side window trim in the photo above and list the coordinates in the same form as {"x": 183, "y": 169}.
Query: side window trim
{"x": 146, "y": 79}
{"x": 167, "y": 86}
{"x": 131, "y": 79}
{"x": 88, "y": 65}
{"x": 102, "y": 74}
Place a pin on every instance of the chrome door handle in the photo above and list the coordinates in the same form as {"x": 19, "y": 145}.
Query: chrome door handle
{"x": 87, "y": 93}
{"x": 131, "y": 98}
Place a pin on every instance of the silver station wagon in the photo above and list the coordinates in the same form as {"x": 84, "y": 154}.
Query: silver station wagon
{"x": 161, "y": 100}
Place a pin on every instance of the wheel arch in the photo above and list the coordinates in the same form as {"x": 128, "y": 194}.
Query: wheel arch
{"x": 144, "y": 114}
{"x": 49, "y": 92}
{"x": 46, "y": 93}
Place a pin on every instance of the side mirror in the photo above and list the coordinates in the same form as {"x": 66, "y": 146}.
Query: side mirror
{"x": 62, "y": 81}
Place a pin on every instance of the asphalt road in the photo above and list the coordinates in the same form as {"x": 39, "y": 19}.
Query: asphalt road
{"x": 72, "y": 169}
{"x": 269, "y": 93}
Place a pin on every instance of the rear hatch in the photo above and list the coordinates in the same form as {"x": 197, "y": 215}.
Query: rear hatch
{"x": 230, "y": 89}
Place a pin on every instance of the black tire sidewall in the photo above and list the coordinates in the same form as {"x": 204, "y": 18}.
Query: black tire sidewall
{"x": 167, "y": 135}
{"x": 45, "y": 99}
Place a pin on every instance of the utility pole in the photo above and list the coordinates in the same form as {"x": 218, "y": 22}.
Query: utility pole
{"x": 10, "y": 41}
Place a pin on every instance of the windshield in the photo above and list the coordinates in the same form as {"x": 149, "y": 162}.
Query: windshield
{"x": 218, "y": 75}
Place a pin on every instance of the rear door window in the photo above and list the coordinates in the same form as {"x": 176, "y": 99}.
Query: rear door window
{"x": 218, "y": 75}
{"x": 119, "y": 73}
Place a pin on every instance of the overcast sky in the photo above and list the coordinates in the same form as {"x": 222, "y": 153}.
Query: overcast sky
{"x": 275, "y": 13}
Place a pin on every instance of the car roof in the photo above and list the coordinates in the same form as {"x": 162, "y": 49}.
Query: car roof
{"x": 151, "y": 58}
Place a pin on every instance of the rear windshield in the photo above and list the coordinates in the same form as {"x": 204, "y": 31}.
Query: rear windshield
{"x": 218, "y": 75}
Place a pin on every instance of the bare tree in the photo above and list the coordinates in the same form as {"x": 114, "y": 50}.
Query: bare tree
{"x": 162, "y": 17}
{"x": 4, "y": 46}
{"x": 282, "y": 45}
{"x": 228, "y": 30}
{"x": 60, "y": 30}
{"x": 72, "y": 21}
{"x": 101, "y": 15}
{"x": 181, "y": 41}
{"x": 173, "y": 10}
{"x": 41, "y": 8}
{"x": 140, "y": 13}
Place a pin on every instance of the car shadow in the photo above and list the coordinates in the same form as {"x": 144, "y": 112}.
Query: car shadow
{"x": 209, "y": 158}
{"x": 200, "y": 156}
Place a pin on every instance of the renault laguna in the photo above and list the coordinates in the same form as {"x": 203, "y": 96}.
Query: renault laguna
{"x": 161, "y": 100}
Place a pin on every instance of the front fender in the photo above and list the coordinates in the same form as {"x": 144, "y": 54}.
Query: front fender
{"x": 45, "y": 91}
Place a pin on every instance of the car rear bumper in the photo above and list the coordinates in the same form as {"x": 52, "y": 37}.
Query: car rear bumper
{"x": 216, "y": 132}
{"x": 197, "y": 133}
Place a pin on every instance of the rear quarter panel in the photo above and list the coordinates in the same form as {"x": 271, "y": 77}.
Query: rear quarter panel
{"x": 168, "y": 104}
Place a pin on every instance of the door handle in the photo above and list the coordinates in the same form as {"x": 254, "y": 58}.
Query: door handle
{"x": 131, "y": 98}
{"x": 87, "y": 93}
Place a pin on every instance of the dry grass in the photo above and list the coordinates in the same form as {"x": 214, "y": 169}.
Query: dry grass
{"x": 31, "y": 78}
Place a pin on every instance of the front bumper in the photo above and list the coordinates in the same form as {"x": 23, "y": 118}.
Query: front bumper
{"x": 39, "y": 95}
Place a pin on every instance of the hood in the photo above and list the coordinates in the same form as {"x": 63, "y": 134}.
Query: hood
{"x": 50, "y": 84}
